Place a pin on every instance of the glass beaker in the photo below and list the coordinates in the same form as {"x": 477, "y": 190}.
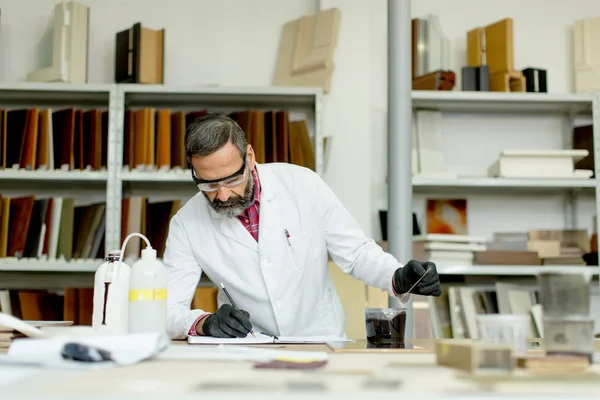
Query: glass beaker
{"x": 385, "y": 325}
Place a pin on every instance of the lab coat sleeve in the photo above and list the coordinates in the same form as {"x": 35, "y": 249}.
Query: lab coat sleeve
{"x": 184, "y": 275}
{"x": 348, "y": 246}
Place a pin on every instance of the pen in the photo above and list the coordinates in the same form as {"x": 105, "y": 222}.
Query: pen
{"x": 287, "y": 237}
{"x": 413, "y": 286}
{"x": 266, "y": 334}
{"x": 233, "y": 303}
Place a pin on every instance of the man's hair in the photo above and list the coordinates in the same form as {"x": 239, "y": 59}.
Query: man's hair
{"x": 210, "y": 132}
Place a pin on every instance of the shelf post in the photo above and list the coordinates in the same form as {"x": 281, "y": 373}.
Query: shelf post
{"x": 596, "y": 149}
{"x": 400, "y": 138}
{"x": 114, "y": 192}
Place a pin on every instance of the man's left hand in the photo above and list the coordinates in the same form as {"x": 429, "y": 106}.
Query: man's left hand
{"x": 407, "y": 276}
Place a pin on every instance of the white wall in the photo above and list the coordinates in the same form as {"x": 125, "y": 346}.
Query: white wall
{"x": 229, "y": 42}
{"x": 542, "y": 38}
{"x": 348, "y": 109}
{"x": 234, "y": 42}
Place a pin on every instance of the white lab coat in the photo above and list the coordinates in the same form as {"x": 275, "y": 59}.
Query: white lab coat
{"x": 286, "y": 287}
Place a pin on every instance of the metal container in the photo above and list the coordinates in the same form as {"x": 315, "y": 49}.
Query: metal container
{"x": 569, "y": 336}
{"x": 565, "y": 294}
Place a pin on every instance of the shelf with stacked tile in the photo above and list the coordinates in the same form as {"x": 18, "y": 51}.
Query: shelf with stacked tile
{"x": 513, "y": 270}
{"x": 424, "y": 184}
{"x": 503, "y": 102}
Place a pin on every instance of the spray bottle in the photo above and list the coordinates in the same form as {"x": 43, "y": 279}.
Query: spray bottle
{"x": 111, "y": 290}
{"x": 147, "y": 292}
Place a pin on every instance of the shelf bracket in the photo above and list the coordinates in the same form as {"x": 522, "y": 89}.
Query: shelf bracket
{"x": 596, "y": 133}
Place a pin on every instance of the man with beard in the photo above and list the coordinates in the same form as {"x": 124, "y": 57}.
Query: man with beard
{"x": 264, "y": 232}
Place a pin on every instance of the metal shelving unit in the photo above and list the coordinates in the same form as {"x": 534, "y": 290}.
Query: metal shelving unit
{"x": 421, "y": 183}
{"x": 158, "y": 176}
{"x": 44, "y": 265}
{"x": 499, "y": 103}
{"x": 402, "y": 101}
{"x": 53, "y": 274}
{"x": 503, "y": 103}
{"x": 116, "y": 99}
{"x": 26, "y": 94}
{"x": 49, "y": 273}
{"x": 509, "y": 270}
{"x": 53, "y": 176}
{"x": 304, "y": 100}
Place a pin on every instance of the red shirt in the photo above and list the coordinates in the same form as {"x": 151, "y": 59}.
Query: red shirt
{"x": 251, "y": 215}
{"x": 250, "y": 221}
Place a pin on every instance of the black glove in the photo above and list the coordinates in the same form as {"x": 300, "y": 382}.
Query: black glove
{"x": 407, "y": 276}
{"x": 227, "y": 322}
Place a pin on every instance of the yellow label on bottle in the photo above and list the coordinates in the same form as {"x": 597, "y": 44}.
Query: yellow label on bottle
{"x": 160, "y": 294}
{"x": 147, "y": 294}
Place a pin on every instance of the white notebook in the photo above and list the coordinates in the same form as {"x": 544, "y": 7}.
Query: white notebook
{"x": 264, "y": 339}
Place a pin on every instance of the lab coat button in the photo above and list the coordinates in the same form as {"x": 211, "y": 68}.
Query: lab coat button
{"x": 266, "y": 263}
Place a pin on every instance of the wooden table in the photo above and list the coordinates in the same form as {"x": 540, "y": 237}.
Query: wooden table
{"x": 359, "y": 373}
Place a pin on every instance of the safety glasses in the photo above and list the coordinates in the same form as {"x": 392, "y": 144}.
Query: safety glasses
{"x": 230, "y": 181}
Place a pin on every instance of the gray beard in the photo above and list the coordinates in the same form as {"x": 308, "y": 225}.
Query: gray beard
{"x": 235, "y": 205}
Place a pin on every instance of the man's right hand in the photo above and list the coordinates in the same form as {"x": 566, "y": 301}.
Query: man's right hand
{"x": 227, "y": 322}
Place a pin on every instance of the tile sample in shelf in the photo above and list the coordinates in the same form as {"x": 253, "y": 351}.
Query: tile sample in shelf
{"x": 586, "y": 60}
{"x": 536, "y": 80}
{"x": 139, "y": 55}
{"x": 448, "y": 249}
{"x": 151, "y": 219}
{"x": 154, "y": 141}
{"x": 446, "y": 216}
{"x": 67, "y": 43}
{"x": 539, "y": 163}
{"x": 50, "y": 228}
{"x": 306, "y": 49}
{"x": 47, "y": 140}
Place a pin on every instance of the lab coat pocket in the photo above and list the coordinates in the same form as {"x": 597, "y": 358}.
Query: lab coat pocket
{"x": 300, "y": 244}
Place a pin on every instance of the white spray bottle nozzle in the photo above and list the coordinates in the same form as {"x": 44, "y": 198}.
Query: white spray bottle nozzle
{"x": 144, "y": 238}
{"x": 149, "y": 254}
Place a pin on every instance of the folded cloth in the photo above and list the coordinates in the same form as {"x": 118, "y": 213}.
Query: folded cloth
{"x": 87, "y": 352}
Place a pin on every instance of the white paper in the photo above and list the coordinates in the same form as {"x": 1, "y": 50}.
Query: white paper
{"x": 25, "y": 327}
{"x": 259, "y": 339}
{"x": 124, "y": 349}
{"x": 312, "y": 339}
{"x": 238, "y": 353}
{"x": 264, "y": 339}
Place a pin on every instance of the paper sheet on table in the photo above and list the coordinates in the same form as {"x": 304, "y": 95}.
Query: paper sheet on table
{"x": 124, "y": 349}
{"x": 264, "y": 339}
{"x": 311, "y": 339}
{"x": 9, "y": 323}
{"x": 239, "y": 353}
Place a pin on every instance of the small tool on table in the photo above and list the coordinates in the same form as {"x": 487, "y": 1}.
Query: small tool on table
{"x": 413, "y": 286}
{"x": 233, "y": 303}
{"x": 84, "y": 353}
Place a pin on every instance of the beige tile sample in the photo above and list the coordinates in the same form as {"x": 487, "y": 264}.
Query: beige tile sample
{"x": 306, "y": 50}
